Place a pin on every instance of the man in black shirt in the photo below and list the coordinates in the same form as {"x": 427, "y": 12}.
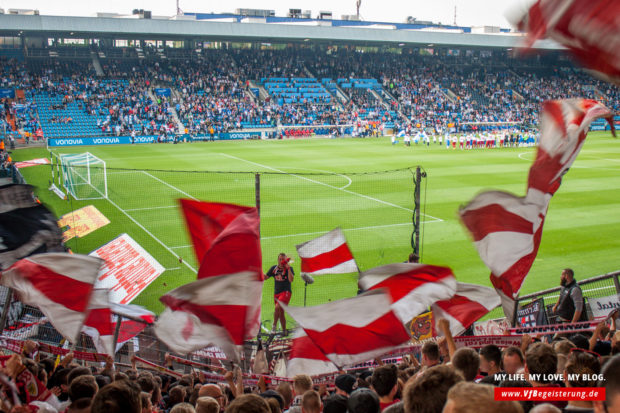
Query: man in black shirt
{"x": 283, "y": 276}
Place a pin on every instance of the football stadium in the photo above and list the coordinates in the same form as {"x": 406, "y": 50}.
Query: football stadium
{"x": 255, "y": 212}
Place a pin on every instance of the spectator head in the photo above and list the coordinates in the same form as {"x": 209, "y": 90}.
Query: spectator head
{"x": 311, "y": 402}
{"x": 176, "y": 395}
{"x": 363, "y": 400}
{"x": 512, "y": 360}
{"x": 80, "y": 406}
{"x": 581, "y": 364}
{"x": 102, "y": 380}
{"x": 83, "y": 387}
{"x": 466, "y": 361}
{"x": 568, "y": 276}
{"x": 611, "y": 383}
{"x": 120, "y": 376}
{"x": 385, "y": 381}
{"x": 301, "y": 384}
{"x": 545, "y": 408}
{"x": 468, "y": 397}
{"x": 273, "y": 404}
{"x": 211, "y": 390}
{"x": 286, "y": 391}
{"x": 427, "y": 393}
{"x": 490, "y": 359}
{"x": 248, "y": 403}
{"x": 122, "y": 396}
{"x": 540, "y": 359}
{"x": 145, "y": 401}
{"x": 345, "y": 384}
{"x": 580, "y": 341}
{"x": 132, "y": 375}
{"x": 413, "y": 258}
{"x": 183, "y": 408}
{"x": 146, "y": 383}
{"x": 272, "y": 394}
{"x": 207, "y": 404}
{"x": 430, "y": 354}
{"x": 77, "y": 372}
{"x": 335, "y": 404}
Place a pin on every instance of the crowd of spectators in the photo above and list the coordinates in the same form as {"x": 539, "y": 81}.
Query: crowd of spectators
{"x": 440, "y": 378}
{"x": 210, "y": 92}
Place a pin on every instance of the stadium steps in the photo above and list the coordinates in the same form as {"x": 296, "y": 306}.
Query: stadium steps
{"x": 97, "y": 64}
{"x": 262, "y": 92}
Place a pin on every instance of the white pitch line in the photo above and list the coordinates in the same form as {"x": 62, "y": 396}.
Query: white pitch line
{"x": 524, "y": 153}
{"x": 169, "y": 185}
{"x": 149, "y": 208}
{"x": 327, "y": 185}
{"x": 150, "y": 234}
{"x": 323, "y": 232}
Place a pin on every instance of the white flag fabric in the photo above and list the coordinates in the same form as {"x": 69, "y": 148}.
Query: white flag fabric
{"x": 307, "y": 358}
{"x": 59, "y": 284}
{"x": 507, "y": 229}
{"x": 352, "y": 330}
{"x": 412, "y": 287}
{"x": 98, "y": 324}
{"x": 468, "y": 305}
{"x": 211, "y": 310}
{"x": 327, "y": 254}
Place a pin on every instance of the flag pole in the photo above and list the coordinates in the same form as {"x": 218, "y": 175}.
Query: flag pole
{"x": 117, "y": 330}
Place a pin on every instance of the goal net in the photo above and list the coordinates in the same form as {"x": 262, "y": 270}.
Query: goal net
{"x": 84, "y": 176}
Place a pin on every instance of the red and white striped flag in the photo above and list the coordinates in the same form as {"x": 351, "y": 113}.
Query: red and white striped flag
{"x": 98, "y": 324}
{"x": 468, "y": 305}
{"x": 327, "y": 254}
{"x": 307, "y": 358}
{"x": 212, "y": 310}
{"x": 352, "y": 330}
{"x": 59, "y": 284}
{"x": 507, "y": 229}
{"x": 413, "y": 287}
{"x": 590, "y": 29}
{"x": 134, "y": 319}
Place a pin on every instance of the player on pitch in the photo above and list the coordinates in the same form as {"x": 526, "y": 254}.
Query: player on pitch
{"x": 282, "y": 274}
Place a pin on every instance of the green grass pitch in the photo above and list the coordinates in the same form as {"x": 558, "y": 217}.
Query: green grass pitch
{"x": 581, "y": 231}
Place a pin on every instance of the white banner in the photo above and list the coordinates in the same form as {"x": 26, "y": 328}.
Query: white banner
{"x": 601, "y": 307}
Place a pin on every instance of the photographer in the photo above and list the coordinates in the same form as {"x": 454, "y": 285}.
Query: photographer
{"x": 282, "y": 274}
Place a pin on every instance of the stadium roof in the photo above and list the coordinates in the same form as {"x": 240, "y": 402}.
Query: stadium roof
{"x": 250, "y": 30}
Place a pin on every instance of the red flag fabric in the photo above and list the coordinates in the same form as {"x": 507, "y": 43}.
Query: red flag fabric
{"x": 412, "y": 287}
{"x": 507, "y": 229}
{"x": 352, "y": 330}
{"x": 307, "y": 358}
{"x": 590, "y": 29}
{"x": 98, "y": 324}
{"x": 224, "y": 236}
{"x": 468, "y": 305}
{"x": 59, "y": 284}
{"x": 327, "y": 254}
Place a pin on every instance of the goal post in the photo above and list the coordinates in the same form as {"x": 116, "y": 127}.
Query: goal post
{"x": 84, "y": 176}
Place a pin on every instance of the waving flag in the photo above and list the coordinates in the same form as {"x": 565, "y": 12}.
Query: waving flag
{"x": 98, "y": 324}
{"x": 327, "y": 254}
{"x": 59, "y": 284}
{"x": 413, "y": 287}
{"x": 590, "y": 29}
{"x": 507, "y": 229}
{"x": 354, "y": 329}
{"x": 26, "y": 227}
{"x": 307, "y": 358}
{"x": 468, "y": 305}
{"x": 212, "y": 310}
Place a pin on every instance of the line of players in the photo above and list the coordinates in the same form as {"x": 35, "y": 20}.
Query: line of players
{"x": 470, "y": 141}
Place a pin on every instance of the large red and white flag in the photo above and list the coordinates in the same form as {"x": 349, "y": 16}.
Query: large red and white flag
{"x": 468, "y": 305}
{"x": 507, "y": 229}
{"x": 98, "y": 324}
{"x": 352, "y": 330}
{"x": 327, "y": 254}
{"x": 307, "y": 358}
{"x": 134, "y": 319}
{"x": 212, "y": 310}
{"x": 59, "y": 284}
{"x": 412, "y": 287}
{"x": 590, "y": 29}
